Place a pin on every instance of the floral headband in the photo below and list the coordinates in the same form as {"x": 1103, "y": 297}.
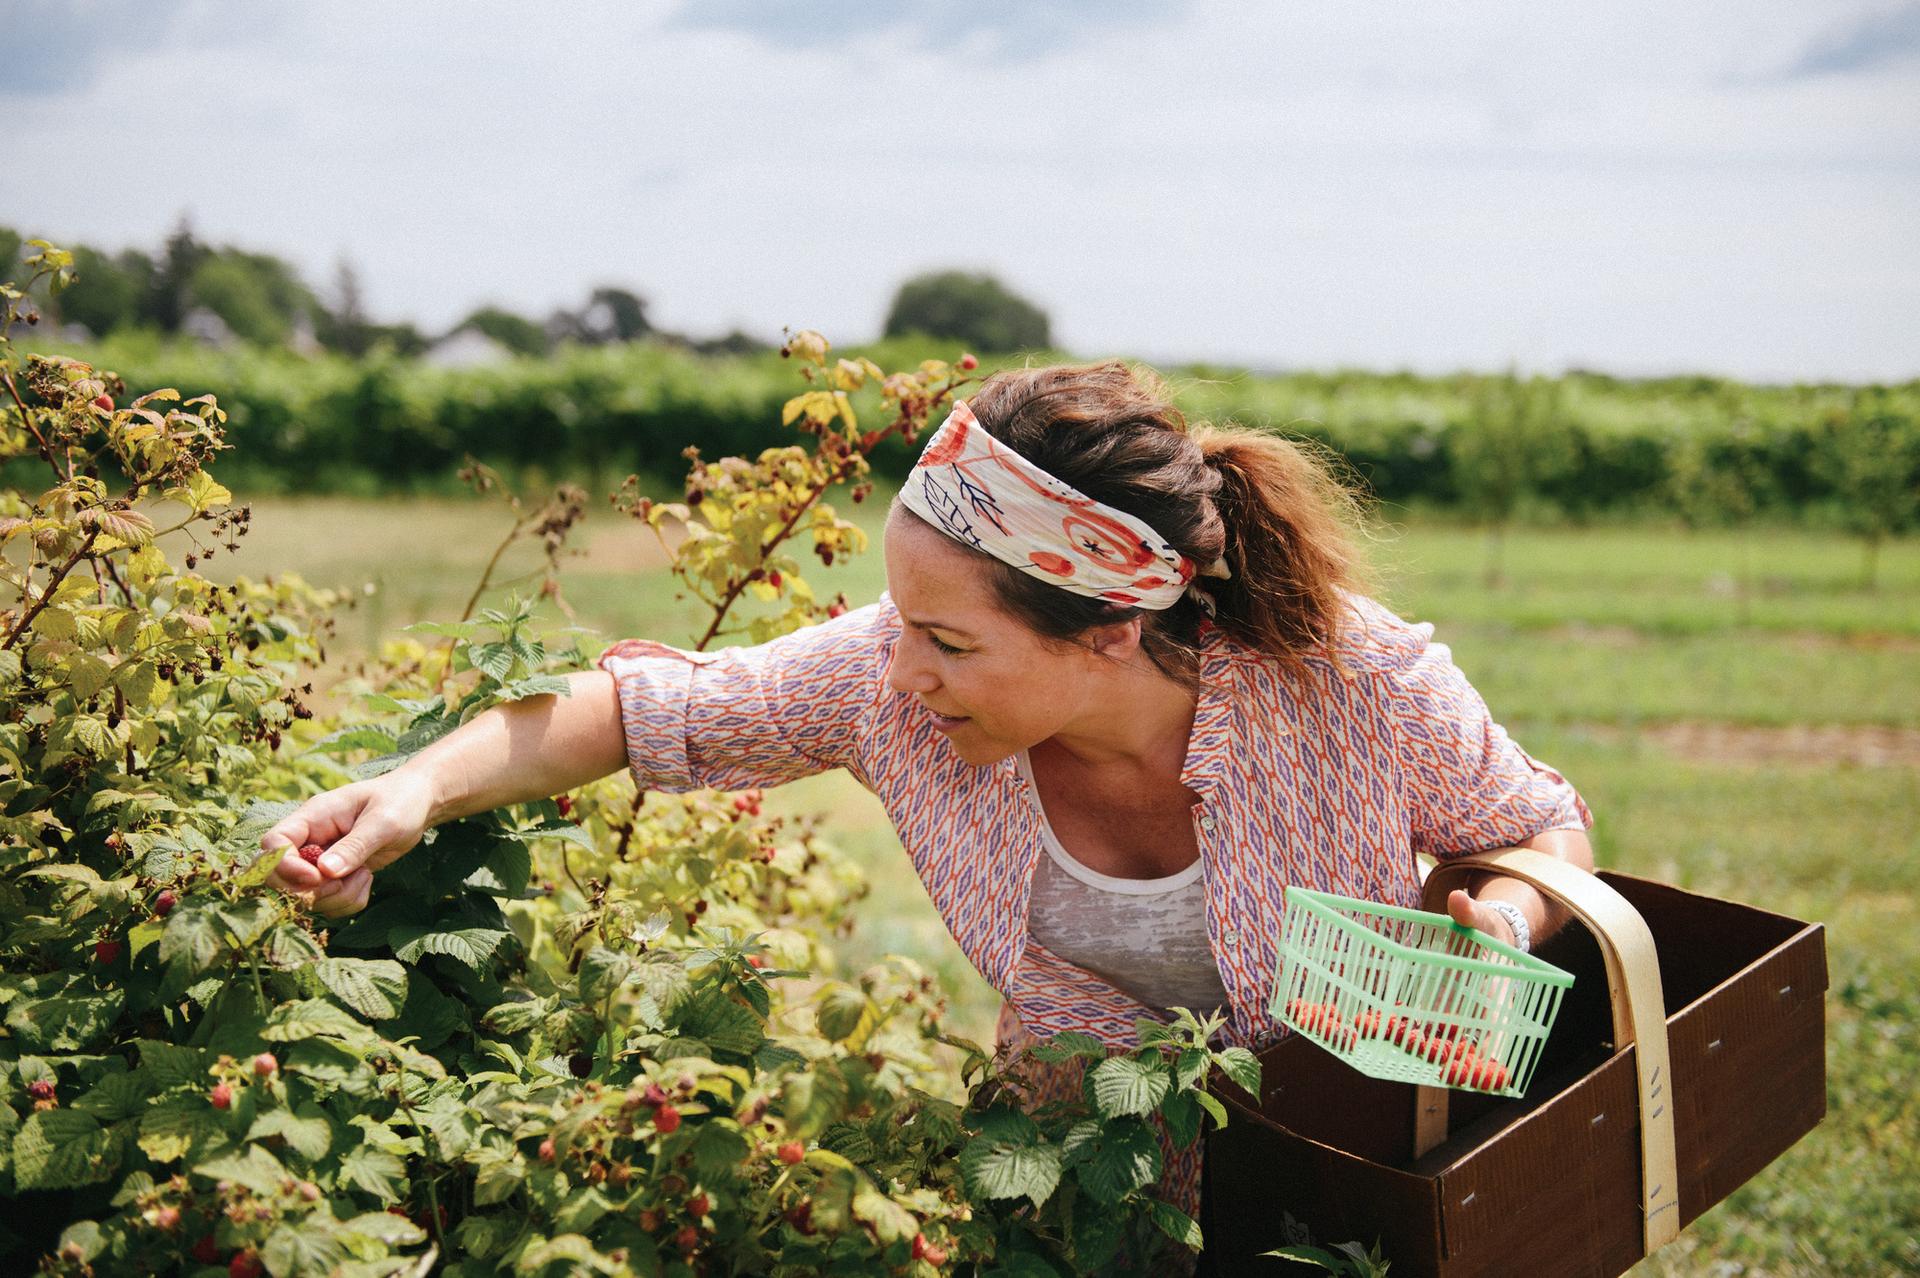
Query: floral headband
{"x": 978, "y": 491}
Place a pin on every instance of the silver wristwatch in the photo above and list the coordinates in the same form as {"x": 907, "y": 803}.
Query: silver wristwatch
{"x": 1522, "y": 933}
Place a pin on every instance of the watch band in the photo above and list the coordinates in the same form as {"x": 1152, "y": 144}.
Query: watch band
{"x": 1522, "y": 931}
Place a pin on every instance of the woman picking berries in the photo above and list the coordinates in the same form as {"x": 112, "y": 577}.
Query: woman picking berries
{"x": 1122, "y": 689}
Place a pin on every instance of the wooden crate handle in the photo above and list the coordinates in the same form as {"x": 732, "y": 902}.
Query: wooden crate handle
{"x": 1634, "y": 994}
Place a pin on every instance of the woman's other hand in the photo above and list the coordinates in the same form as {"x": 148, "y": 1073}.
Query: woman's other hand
{"x": 1463, "y": 909}
{"x": 360, "y": 828}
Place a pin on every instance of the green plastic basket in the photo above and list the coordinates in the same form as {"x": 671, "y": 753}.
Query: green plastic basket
{"x": 1414, "y": 997}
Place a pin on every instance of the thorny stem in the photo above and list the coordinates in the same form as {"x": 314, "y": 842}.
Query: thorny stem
{"x": 46, "y": 596}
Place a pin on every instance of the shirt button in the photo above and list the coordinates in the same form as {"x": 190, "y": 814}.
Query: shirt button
{"x": 1206, "y": 823}
{"x": 1230, "y": 937}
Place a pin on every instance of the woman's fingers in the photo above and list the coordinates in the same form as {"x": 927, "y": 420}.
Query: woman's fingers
{"x": 338, "y": 897}
{"x": 1463, "y": 909}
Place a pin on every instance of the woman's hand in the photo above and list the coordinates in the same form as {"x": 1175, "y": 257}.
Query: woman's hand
{"x": 1462, "y": 908}
{"x": 361, "y": 827}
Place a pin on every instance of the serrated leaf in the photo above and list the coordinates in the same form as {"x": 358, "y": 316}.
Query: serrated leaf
{"x": 375, "y": 988}
{"x": 374, "y": 1170}
{"x": 995, "y": 1170}
{"x": 310, "y": 1246}
{"x": 1125, "y": 1085}
{"x": 255, "y": 1168}
{"x": 1123, "y": 1157}
{"x": 306, "y": 1130}
{"x": 1067, "y": 1046}
{"x": 845, "y": 1013}
{"x": 889, "y": 1219}
{"x": 602, "y": 971}
{"x": 63, "y": 1149}
{"x": 473, "y": 946}
{"x": 1242, "y": 1066}
{"x": 169, "y": 1064}
{"x": 1175, "y": 1224}
{"x": 725, "y": 1025}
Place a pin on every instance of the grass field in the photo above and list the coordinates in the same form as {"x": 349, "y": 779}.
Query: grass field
{"x": 1740, "y": 715}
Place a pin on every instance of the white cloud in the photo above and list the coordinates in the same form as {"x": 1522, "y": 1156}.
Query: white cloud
{"x": 1633, "y": 187}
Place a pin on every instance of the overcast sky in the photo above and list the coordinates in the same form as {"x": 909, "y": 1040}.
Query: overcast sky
{"x": 1637, "y": 186}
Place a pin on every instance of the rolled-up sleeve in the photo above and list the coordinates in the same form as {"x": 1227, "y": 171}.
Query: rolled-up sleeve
{"x": 754, "y": 716}
{"x": 1470, "y": 786}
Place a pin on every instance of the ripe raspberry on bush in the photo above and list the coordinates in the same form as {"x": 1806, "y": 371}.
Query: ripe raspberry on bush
{"x": 266, "y": 1065}
{"x": 310, "y": 853}
{"x": 221, "y": 1097}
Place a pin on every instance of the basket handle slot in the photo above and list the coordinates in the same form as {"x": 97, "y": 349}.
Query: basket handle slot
{"x": 1634, "y": 995}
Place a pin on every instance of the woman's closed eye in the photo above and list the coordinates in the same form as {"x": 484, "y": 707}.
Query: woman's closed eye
{"x": 946, "y": 647}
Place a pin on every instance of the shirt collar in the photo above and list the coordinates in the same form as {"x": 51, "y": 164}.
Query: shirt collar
{"x": 1207, "y": 747}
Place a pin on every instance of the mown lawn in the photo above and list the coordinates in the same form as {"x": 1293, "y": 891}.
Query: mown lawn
{"x": 1597, "y": 643}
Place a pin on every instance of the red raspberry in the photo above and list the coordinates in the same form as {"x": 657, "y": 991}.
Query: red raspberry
{"x": 687, "y": 1239}
{"x": 311, "y": 853}
{"x": 245, "y": 1264}
{"x": 565, "y": 805}
{"x": 221, "y": 1096}
{"x": 164, "y": 903}
{"x": 698, "y": 1205}
{"x": 773, "y": 579}
{"x": 791, "y": 1152}
{"x": 165, "y": 1218}
{"x": 266, "y": 1065}
{"x": 103, "y": 402}
{"x": 801, "y": 1217}
{"x": 1368, "y": 1023}
{"x": 105, "y": 952}
{"x": 206, "y": 1251}
{"x": 666, "y": 1119}
{"x": 836, "y": 609}
{"x": 968, "y": 363}
{"x": 650, "y": 1219}
{"x": 546, "y": 1150}
{"x": 40, "y": 1089}
{"x": 756, "y": 960}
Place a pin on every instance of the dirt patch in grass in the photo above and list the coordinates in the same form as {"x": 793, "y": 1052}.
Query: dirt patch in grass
{"x": 1797, "y": 745}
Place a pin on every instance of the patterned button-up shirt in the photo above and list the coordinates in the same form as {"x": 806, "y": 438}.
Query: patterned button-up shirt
{"x": 1334, "y": 783}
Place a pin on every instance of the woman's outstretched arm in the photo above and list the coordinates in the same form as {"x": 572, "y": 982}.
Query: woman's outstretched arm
{"x": 514, "y": 752}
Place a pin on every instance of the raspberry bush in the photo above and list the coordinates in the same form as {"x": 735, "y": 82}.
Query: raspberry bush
{"x": 590, "y": 1034}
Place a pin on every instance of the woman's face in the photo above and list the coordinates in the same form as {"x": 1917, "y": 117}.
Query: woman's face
{"x": 1009, "y": 690}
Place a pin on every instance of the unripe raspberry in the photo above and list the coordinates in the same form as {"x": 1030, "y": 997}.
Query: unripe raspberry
{"x": 221, "y": 1096}
{"x": 792, "y": 1152}
{"x": 164, "y": 903}
{"x": 546, "y": 1150}
{"x": 308, "y": 1191}
{"x": 266, "y": 1065}
{"x": 165, "y": 1218}
{"x": 40, "y": 1089}
{"x": 968, "y": 363}
{"x": 103, "y": 402}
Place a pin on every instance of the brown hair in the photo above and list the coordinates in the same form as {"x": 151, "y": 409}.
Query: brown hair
{"x": 1272, "y": 506}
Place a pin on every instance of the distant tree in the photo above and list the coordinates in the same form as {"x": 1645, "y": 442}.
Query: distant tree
{"x": 344, "y": 325}
{"x": 976, "y": 310}
{"x": 106, "y": 291}
{"x": 259, "y": 296}
{"x": 166, "y": 301}
{"x": 10, "y": 242}
{"x": 610, "y": 315}
{"x": 515, "y": 332}
{"x": 734, "y": 343}
{"x": 1514, "y": 437}
{"x": 1869, "y": 455}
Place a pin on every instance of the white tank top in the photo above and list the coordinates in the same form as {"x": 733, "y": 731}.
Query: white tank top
{"x": 1145, "y": 937}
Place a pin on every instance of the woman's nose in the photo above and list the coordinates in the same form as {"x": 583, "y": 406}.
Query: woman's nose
{"x": 906, "y": 675}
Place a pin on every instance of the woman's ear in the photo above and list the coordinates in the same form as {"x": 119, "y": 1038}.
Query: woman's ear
{"x": 1116, "y": 641}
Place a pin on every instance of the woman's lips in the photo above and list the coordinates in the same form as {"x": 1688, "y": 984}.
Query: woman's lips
{"x": 945, "y": 723}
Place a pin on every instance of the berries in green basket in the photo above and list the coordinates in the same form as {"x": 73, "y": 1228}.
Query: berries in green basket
{"x": 1489, "y": 1075}
{"x": 1368, "y": 1023}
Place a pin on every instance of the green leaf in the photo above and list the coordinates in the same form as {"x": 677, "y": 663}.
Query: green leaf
{"x": 63, "y": 1149}
{"x": 65, "y": 1023}
{"x": 385, "y": 1227}
{"x": 995, "y": 1170}
{"x": 304, "y": 1018}
{"x": 505, "y": 871}
{"x": 374, "y": 1170}
{"x": 1190, "y": 1066}
{"x": 117, "y": 1096}
{"x": 1242, "y": 1066}
{"x": 375, "y": 988}
{"x": 1124, "y": 1085}
{"x": 1176, "y": 1224}
{"x": 473, "y": 946}
{"x": 844, "y": 1013}
{"x": 305, "y": 1130}
{"x": 310, "y": 1246}
{"x": 1067, "y": 1046}
{"x": 1121, "y": 1157}
{"x": 256, "y": 1169}
{"x": 725, "y": 1025}
{"x": 602, "y": 971}
{"x": 175, "y": 1125}
{"x": 194, "y": 937}
{"x": 1211, "y": 1103}
{"x": 718, "y": 1150}
{"x": 1182, "y": 1114}
{"x": 889, "y": 1219}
